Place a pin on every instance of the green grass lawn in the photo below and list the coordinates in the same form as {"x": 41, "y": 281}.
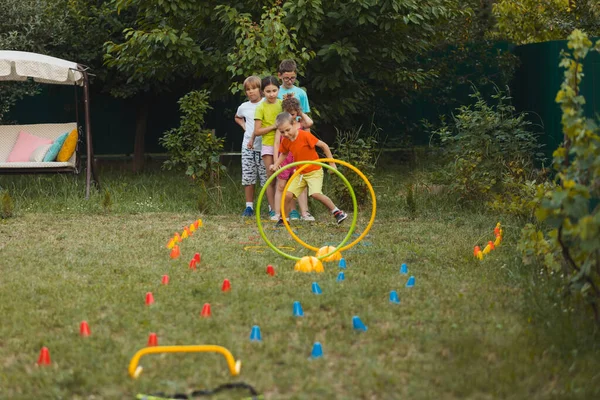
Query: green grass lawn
{"x": 468, "y": 329}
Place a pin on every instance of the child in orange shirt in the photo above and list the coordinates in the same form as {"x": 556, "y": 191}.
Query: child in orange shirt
{"x": 303, "y": 146}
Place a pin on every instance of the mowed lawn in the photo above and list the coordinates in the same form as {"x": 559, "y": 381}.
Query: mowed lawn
{"x": 468, "y": 329}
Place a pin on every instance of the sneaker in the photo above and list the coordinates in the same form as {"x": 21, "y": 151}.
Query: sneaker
{"x": 294, "y": 215}
{"x": 248, "y": 212}
{"x": 279, "y": 223}
{"x": 340, "y": 216}
{"x": 307, "y": 217}
{"x": 274, "y": 217}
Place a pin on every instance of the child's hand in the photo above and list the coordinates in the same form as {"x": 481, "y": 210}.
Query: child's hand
{"x": 250, "y": 144}
{"x": 272, "y": 168}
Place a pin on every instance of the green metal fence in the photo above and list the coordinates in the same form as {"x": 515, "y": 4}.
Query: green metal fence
{"x": 537, "y": 81}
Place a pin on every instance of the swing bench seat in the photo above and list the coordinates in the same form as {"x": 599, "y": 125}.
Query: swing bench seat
{"x": 8, "y": 138}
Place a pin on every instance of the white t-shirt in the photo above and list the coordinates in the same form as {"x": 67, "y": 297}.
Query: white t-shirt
{"x": 246, "y": 111}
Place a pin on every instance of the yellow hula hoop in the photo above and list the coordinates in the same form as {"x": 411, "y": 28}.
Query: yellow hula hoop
{"x": 353, "y": 168}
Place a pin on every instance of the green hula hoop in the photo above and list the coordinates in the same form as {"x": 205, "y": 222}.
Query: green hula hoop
{"x": 291, "y": 165}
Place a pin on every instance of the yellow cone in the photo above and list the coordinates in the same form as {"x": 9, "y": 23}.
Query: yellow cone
{"x": 326, "y": 250}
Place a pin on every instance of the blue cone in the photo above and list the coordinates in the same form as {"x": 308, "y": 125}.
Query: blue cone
{"x": 317, "y": 351}
{"x": 394, "y": 297}
{"x": 411, "y": 282}
{"x": 342, "y": 263}
{"x": 403, "y": 269}
{"x": 358, "y": 325}
{"x": 341, "y": 276}
{"x": 298, "y": 309}
{"x": 255, "y": 335}
{"x": 316, "y": 289}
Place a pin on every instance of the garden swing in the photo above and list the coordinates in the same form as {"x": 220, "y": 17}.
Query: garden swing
{"x": 47, "y": 147}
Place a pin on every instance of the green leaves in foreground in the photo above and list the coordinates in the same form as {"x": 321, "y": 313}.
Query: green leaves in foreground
{"x": 571, "y": 210}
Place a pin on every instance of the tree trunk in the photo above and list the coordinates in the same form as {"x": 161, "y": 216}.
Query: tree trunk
{"x": 141, "y": 121}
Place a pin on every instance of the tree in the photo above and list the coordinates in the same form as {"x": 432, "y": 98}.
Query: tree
{"x": 532, "y": 21}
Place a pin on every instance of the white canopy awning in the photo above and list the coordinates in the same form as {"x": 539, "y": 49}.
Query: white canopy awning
{"x": 20, "y": 65}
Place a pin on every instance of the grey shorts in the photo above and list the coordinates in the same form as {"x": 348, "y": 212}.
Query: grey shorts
{"x": 252, "y": 166}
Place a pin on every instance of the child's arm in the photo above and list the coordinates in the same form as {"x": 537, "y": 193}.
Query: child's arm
{"x": 240, "y": 121}
{"x": 305, "y": 121}
{"x": 276, "y": 144}
{"x": 273, "y": 167}
{"x": 259, "y": 130}
{"x": 323, "y": 146}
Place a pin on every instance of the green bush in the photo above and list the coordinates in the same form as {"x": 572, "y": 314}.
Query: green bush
{"x": 359, "y": 148}
{"x": 569, "y": 211}
{"x": 491, "y": 151}
{"x": 192, "y": 147}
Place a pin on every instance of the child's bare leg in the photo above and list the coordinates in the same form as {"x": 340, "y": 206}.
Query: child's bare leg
{"x": 268, "y": 161}
{"x": 324, "y": 199}
{"x": 249, "y": 191}
{"x": 289, "y": 202}
{"x": 278, "y": 193}
{"x": 303, "y": 202}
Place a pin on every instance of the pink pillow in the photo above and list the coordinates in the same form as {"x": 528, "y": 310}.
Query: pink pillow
{"x": 25, "y": 145}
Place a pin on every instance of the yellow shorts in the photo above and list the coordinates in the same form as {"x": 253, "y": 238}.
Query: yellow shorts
{"x": 314, "y": 181}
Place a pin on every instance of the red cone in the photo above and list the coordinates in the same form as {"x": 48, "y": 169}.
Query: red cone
{"x": 270, "y": 270}
{"x": 175, "y": 252}
{"x": 205, "y": 311}
{"x": 44, "y": 358}
{"x": 149, "y": 299}
{"x": 84, "y": 329}
{"x": 193, "y": 263}
{"x": 226, "y": 285}
{"x": 165, "y": 280}
{"x": 152, "y": 340}
{"x": 197, "y": 257}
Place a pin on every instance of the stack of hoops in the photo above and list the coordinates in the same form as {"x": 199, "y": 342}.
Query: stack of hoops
{"x": 321, "y": 162}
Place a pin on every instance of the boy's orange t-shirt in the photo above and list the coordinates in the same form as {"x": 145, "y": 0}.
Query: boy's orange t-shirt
{"x": 303, "y": 149}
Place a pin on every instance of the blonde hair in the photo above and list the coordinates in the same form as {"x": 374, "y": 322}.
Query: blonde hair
{"x": 252, "y": 82}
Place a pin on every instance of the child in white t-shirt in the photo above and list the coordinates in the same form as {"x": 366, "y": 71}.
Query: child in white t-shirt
{"x": 252, "y": 164}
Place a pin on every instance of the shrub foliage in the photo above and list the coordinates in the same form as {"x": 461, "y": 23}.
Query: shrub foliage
{"x": 491, "y": 151}
{"x": 190, "y": 146}
{"x": 570, "y": 211}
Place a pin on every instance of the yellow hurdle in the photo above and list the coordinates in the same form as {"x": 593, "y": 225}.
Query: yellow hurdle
{"x": 135, "y": 370}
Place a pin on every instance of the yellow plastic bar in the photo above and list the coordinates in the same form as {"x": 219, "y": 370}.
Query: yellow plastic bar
{"x": 135, "y": 370}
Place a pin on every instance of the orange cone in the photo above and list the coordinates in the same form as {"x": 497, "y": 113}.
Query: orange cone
{"x": 226, "y": 285}
{"x": 175, "y": 252}
{"x": 44, "y": 358}
{"x": 149, "y": 299}
{"x": 205, "y": 311}
{"x": 476, "y": 250}
{"x": 165, "y": 280}
{"x": 270, "y": 270}
{"x": 491, "y": 244}
{"x": 187, "y": 230}
{"x": 152, "y": 340}
{"x": 84, "y": 329}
